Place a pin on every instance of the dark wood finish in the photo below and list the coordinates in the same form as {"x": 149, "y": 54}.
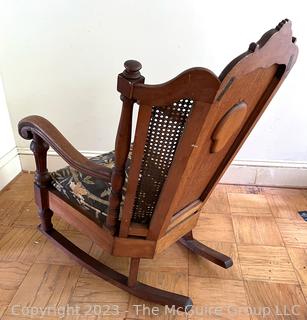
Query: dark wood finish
{"x": 139, "y": 290}
{"x": 184, "y": 214}
{"x": 177, "y": 232}
{"x": 255, "y": 79}
{"x": 210, "y": 254}
{"x": 276, "y": 47}
{"x": 100, "y": 235}
{"x": 49, "y": 134}
{"x": 122, "y": 247}
{"x": 198, "y": 83}
{"x": 41, "y": 181}
{"x": 227, "y": 126}
{"x": 122, "y": 146}
{"x": 130, "y": 76}
{"x": 133, "y": 272}
{"x": 137, "y": 229}
{"x": 137, "y": 155}
{"x": 188, "y": 131}
{"x": 133, "y": 247}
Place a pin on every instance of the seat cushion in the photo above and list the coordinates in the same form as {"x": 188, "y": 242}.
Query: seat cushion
{"x": 89, "y": 194}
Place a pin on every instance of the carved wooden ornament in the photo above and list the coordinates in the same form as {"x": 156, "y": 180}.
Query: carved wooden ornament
{"x": 228, "y": 126}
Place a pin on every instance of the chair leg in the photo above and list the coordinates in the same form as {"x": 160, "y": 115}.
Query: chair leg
{"x": 210, "y": 254}
{"x": 133, "y": 273}
{"x": 44, "y": 212}
{"x": 139, "y": 289}
{"x": 42, "y": 180}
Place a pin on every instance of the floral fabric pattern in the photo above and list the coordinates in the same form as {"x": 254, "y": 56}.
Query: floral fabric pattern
{"x": 87, "y": 192}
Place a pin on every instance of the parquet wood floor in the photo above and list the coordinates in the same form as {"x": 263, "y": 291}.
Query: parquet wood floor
{"x": 258, "y": 227}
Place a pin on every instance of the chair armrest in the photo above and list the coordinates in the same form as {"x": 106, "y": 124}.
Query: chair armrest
{"x": 53, "y": 137}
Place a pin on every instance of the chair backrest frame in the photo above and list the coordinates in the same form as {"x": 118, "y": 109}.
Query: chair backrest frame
{"x": 219, "y": 123}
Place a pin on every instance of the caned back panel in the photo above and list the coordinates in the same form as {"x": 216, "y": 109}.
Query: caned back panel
{"x": 165, "y": 129}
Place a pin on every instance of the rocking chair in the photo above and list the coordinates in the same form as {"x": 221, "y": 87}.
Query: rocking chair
{"x": 143, "y": 197}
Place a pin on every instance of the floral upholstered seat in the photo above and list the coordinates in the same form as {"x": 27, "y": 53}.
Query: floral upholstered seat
{"x": 86, "y": 192}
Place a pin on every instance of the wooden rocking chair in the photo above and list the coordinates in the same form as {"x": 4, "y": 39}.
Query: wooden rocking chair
{"x": 143, "y": 197}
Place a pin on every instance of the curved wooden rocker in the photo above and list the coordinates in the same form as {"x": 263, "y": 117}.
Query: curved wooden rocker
{"x": 188, "y": 131}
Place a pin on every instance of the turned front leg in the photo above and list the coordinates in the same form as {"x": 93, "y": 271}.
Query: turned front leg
{"x": 42, "y": 182}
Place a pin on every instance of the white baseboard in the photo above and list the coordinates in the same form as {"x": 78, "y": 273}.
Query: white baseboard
{"x": 9, "y": 167}
{"x": 267, "y": 173}
{"x": 262, "y": 173}
{"x": 54, "y": 161}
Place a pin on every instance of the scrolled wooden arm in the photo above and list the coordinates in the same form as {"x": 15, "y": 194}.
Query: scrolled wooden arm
{"x": 53, "y": 137}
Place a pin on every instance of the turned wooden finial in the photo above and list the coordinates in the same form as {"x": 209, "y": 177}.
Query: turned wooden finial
{"x": 129, "y": 77}
{"x": 132, "y": 69}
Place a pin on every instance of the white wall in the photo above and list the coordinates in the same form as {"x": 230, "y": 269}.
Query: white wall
{"x": 9, "y": 160}
{"x": 60, "y": 59}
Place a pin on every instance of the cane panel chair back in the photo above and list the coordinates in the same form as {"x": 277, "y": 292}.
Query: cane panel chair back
{"x": 190, "y": 128}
